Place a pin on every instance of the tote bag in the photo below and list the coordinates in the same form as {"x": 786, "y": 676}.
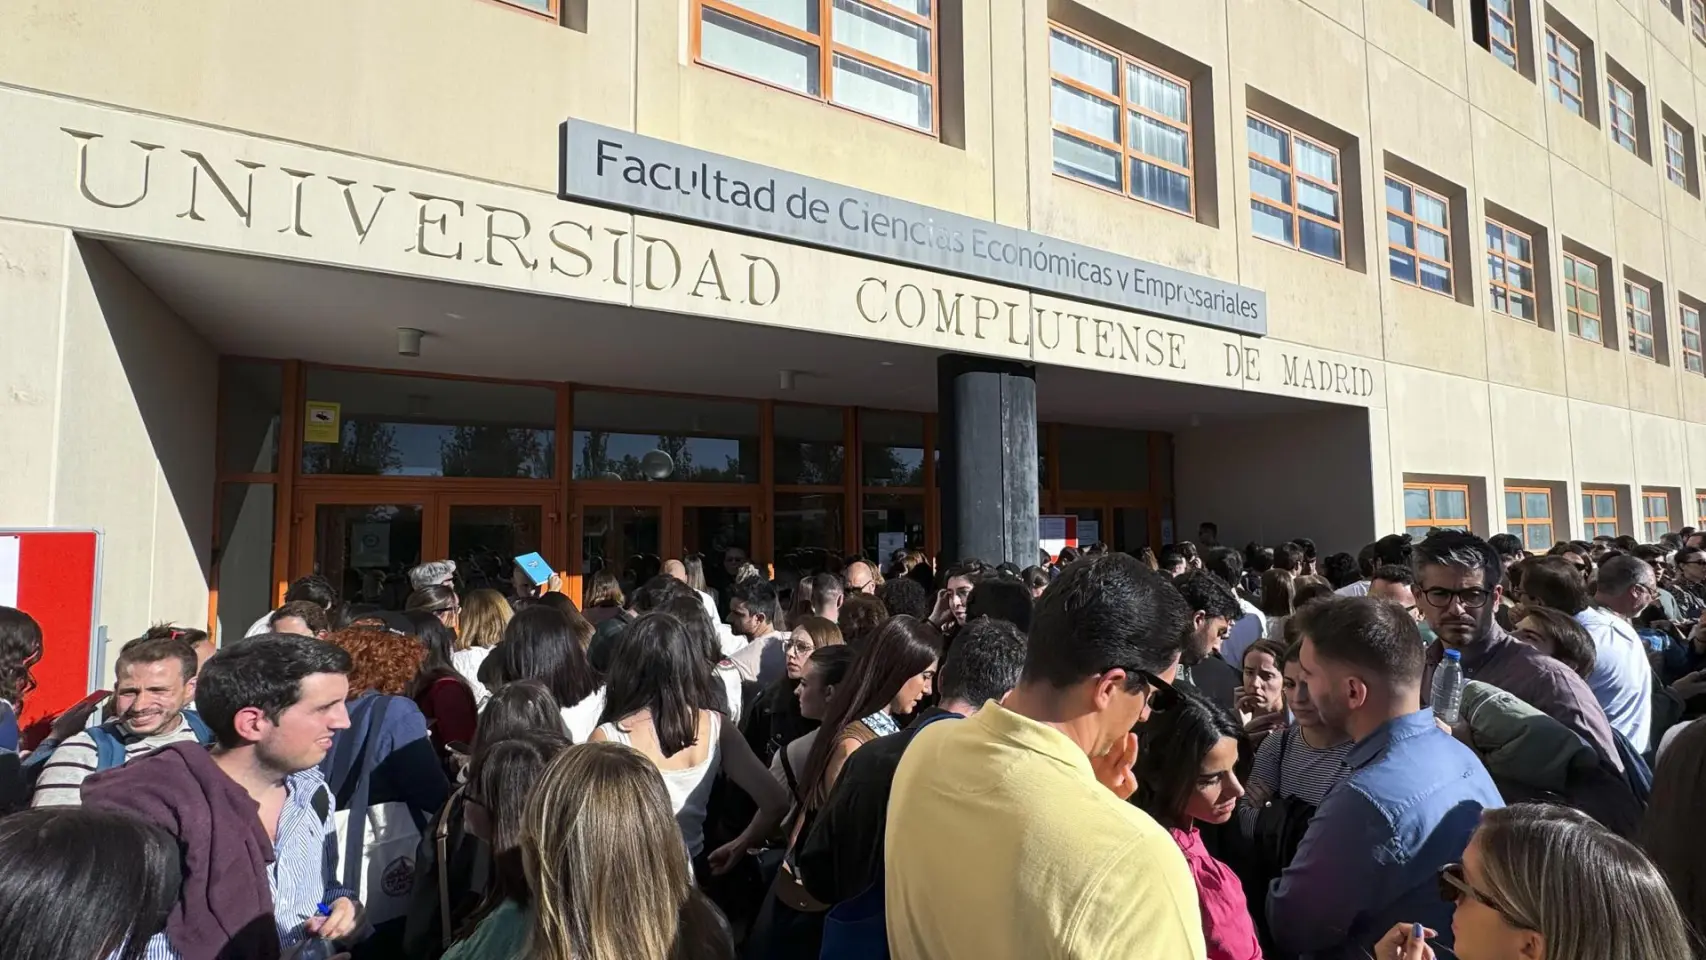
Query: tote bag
{"x": 377, "y": 842}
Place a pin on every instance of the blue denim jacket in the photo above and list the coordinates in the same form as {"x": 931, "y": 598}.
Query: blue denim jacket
{"x": 1371, "y": 855}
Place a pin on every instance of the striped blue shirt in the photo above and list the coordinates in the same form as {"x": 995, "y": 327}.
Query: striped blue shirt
{"x": 303, "y": 868}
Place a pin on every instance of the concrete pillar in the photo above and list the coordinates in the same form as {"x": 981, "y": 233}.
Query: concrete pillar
{"x": 987, "y": 419}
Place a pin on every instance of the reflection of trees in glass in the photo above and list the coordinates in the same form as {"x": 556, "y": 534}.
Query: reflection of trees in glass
{"x": 365, "y": 449}
{"x": 805, "y": 462}
{"x": 893, "y": 466}
{"x": 494, "y": 452}
{"x": 594, "y": 461}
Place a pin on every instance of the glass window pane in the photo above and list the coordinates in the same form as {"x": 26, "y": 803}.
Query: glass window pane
{"x": 1539, "y": 536}
{"x": 250, "y": 398}
{"x": 1538, "y": 506}
{"x": 1403, "y": 265}
{"x": 1270, "y": 182}
{"x": 1435, "y": 277}
{"x": 891, "y": 513}
{"x": 1320, "y": 239}
{"x": 1451, "y": 505}
{"x": 1153, "y": 138}
{"x": 809, "y": 521}
{"x": 1520, "y": 277}
{"x": 1590, "y": 329}
{"x": 1587, "y": 275}
{"x": 1604, "y": 506}
{"x": 429, "y": 427}
{"x": 366, "y": 550}
{"x": 1318, "y": 200}
{"x": 810, "y": 446}
{"x": 1157, "y": 93}
{"x": 1397, "y": 196}
{"x": 1495, "y": 238}
{"x": 1271, "y": 222}
{"x": 641, "y": 438}
{"x": 244, "y": 557}
{"x": 1269, "y": 141}
{"x": 802, "y": 14}
{"x": 1157, "y": 184}
{"x": 765, "y": 54}
{"x": 891, "y": 448}
{"x": 1518, "y": 246}
{"x": 1316, "y": 162}
{"x": 1098, "y": 458}
{"x": 1429, "y": 209}
{"x": 1522, "y": 306}
{"x": 1131, "y": 530}
{"x": 881, "y": 93}
{"x": 1513, "y": 506}
{"x": 1589, "y": 303}
{"x": 1432, "y": 243}
{"x": 868, "y": 30}
{"x": 484, "y": 537}
{"x": 1086, "y": 112}
{"x": 1416, "y": 503}
{"x": 1399, "y": 232}
{"x": 1071, "y": 57}
{"x": 1501, "y": 302}
{"x": 1086, "y": 161}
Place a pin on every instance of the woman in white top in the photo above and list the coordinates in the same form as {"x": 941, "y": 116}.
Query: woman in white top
{"x": 540, "y": 644}
{"x": 485, "y": 614}
{"x": 662, "y": 702}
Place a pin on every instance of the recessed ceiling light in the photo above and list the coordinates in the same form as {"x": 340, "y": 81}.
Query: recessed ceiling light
{"x": 885, "y": 363}
{"x": 455, "y": 316}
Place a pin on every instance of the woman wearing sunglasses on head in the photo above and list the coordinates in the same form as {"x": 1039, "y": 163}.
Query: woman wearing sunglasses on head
{"x": 1540, "y": 882}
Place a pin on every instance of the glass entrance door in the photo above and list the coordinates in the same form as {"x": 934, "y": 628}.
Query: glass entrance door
{"x": 364, "y": 549}
{"x": 626, "y": 540}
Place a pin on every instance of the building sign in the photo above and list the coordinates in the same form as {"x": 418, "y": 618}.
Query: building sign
{"x": 608, "y": 166}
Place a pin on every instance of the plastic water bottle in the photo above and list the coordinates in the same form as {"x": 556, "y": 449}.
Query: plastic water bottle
{"x": 1448, "y": 688}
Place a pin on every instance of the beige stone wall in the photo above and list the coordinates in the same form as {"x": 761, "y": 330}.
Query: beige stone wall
{"x": 469, "y": 92}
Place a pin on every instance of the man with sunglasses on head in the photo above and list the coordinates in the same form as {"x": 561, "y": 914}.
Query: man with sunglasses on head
{"x": 1009, "y": 833}
{"x": 1407, "y": 806}
{"x": 1458, "y": 591}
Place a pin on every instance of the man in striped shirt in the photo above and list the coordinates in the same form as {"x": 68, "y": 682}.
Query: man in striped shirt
{"x": 156, "y": 682}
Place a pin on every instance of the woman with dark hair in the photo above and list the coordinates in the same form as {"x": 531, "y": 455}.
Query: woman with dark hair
{"x": 887, "y": 678}
{"x": 517, "y": 708}
{"x": 440, "y": 600}
{"x": 603, "y": 598}
{"x": 500, "y": 780}
{"x": 775, "y": 720}
{"x": 722, "y": 677}
{"x": 1555, "y": 633}
{"x": 1279, "y": 594}
{"x": 659, "y": 701}
{"x": 1261, "y": 697}
{"x": 1671, "y": 832}
{"x": 1184, "y": 774}
{"x": 83, "y": 884}
{"x": 824, "y": 670}
{"x": 20, "y": 650}
{"x": 862, "y": 615}
{"x": 1303, "y": 761}
{"x": 540, "y": 644}
{"x": 438, "y": 689}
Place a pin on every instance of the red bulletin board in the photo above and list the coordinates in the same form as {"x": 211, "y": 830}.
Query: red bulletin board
{"x": 54, "y": 576}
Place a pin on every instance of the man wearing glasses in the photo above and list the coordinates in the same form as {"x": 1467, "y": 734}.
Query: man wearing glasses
{"x": 1458, "y": 588}
{"x": 1622, "y": 676}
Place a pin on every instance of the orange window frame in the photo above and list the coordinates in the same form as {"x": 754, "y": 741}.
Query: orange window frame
{"x": 1494, "y": 44}
{"x": 1620, "y": 119}
{"x": 1575, "y": 314}
{"x": 1650, "y": 519}
{"x": 1417, "y": 225}
{"x": 1692, "y": 358}
{"x": 1638, "y": 337}
{"x": 553, "y": 13}
{"x": 1591, "y": 518}
{"x": 1504, "y": 256}
{"x": 1700, "y": 508}
{"x": 1121, "y": 98}
{"x": 828, "y": 50}
{"x": 1524, "y": 521}
{"x": 1676, "y": 155}
{"x": 1556, "y": 69}
{"x": 1289, "y": 168}
{"x": 1697, "y": 19}
{"x": 1433, "y": 519}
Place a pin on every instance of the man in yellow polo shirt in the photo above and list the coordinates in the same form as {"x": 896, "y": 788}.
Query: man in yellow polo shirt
{"x": 1009, "y": 834}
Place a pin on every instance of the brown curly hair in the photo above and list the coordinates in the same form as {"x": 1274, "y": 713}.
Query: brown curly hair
{"x": 379, "y": 659}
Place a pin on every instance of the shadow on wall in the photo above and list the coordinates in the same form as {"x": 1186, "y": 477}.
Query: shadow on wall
{"x": 1272, "y": 479}
{"x": 171, "y": 376}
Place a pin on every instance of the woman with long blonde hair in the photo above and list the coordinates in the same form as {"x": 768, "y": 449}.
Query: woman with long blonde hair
{"x": 607, "y": 867}
{"x": 485, "y": 614}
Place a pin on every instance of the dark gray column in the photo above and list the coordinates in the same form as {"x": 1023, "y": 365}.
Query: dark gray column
{"x": 987, "y": 418}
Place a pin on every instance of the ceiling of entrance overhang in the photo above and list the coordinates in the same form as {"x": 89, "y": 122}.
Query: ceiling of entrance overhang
{"x": 274, "y": 308}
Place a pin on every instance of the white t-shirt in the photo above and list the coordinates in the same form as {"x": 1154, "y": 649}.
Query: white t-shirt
{"x": 263, "y": 625}
{"x": 730, "y": 676}
{"x": 582, "y": 718}
{"x": 1622, "y": 677}
{"x": 467, "y": 663}
{"x": 1358, "y": 589}
{"x": 1246, "y": 630}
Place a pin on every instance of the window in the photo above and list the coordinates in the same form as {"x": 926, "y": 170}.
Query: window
{"x": 1430, "y": 505}
{"x": 1427, "y": 5}
{"x": 1599, "y": 513}
{"x": 1501, "y": 31}
{"x": 1691, "y": 350}
{"x": 1700, "y": 509}
{"x": 1294, "y": 190}
{"x": 1528, "y": 516}
{"x": 1655, "y": 507}
{"x": 1510, "y": 271}
{"x": 1638, "y": 300}
{"x": 1676, "y": 156}
{"x": 1581, "y": 298}
{"x": 1697, "y": 19}
{"x": 1418, "y": 236}
{"x": 877, "y": 57}
{"x": 546, "y": 8}
{"x": 1120, "y": 123}
{"x": 1621, "y": 103}
{"x": 1564, "y": 72}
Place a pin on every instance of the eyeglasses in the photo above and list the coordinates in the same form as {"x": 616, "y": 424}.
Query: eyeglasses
{"x": 1696, "y": 562}
{"x": 798, "y": 646}
{"x": 1472, "y": 598}
{"x": 1454, "y": 885}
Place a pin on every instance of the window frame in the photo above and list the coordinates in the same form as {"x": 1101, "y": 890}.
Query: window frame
{"x": 828, "y": 49}
{"x": 1697, "y": 19}
{"x": 1648, "y": 520}
{"x": 1574, "y": 315}
{"x": 1636, "y": 335}
{"x": 1613, "y": 110}
{"x": 1434, "y": 519}
{"x": 1289, "y": 168}
{"x": 1700, "y": 508}
{"x": 1555, "y": 70}
{"x": 1122, "y": 101}
{"x": 1693, "y": 358}
{"x": 1676, "y": 173}
{"x": 1524, "y": 521}
{"x": 1494, "y": 45}
{"x": 1591, "y": 518}
{"x": 1416, "y": 226}
{"x": 554, "y": 15}
{"x": 1533, "y": 294}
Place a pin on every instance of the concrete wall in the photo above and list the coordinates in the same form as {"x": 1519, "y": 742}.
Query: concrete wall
{"x": 108, "y": 408}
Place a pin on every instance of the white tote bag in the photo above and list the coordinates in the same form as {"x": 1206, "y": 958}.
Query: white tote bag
{"x": 379, "y": 863}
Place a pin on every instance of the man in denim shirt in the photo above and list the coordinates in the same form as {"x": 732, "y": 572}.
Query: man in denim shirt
{"x": 1370, "y": 857}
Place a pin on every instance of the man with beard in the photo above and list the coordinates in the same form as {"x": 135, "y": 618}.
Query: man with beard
{"x": 1458, "y": 590}
{"x": 1407, "y": 807}
{"x": 1213, "y": 609}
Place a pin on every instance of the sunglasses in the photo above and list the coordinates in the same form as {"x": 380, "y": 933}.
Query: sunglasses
{"x": 1454, "y": 885}
{"x": 1162, "y": 695}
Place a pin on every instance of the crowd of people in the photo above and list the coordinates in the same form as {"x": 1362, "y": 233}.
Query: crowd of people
{"x": 1197, "y": 752}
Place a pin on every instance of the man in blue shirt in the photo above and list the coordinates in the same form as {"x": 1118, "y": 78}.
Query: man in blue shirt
{"x": 1371, "y": 855}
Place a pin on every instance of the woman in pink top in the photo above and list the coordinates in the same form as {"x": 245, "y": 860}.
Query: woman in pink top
{"x": 1184, "y": 776}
